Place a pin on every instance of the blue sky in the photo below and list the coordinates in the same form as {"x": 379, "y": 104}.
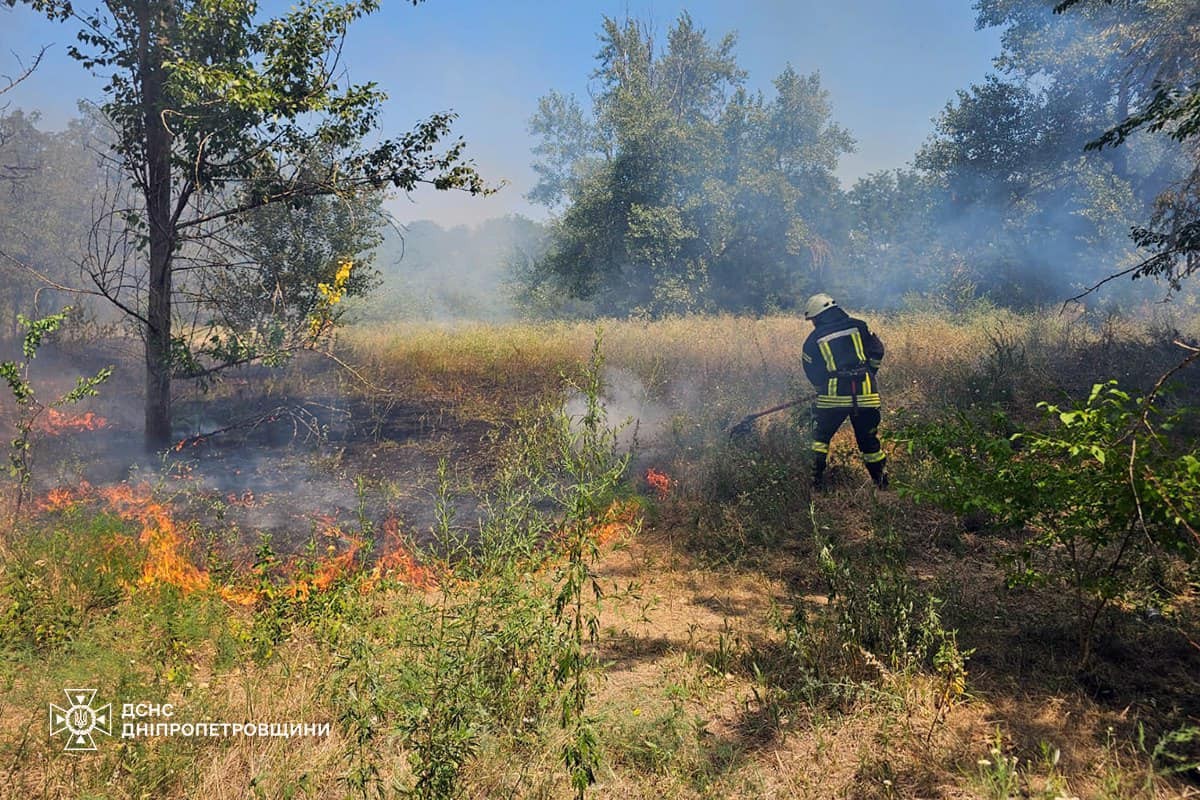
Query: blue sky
{"x": 890, "y": 67}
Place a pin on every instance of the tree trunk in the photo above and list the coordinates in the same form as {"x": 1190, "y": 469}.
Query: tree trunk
{"x": 161, "y": 230}
{"x": 18, "y": 302}
{"x": 1119, "y": 156}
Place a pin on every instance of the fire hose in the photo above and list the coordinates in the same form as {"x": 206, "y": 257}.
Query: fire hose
{"x": 747, "y": 424}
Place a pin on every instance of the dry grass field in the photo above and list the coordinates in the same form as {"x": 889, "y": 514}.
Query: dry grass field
{"x": 414, "y": 545}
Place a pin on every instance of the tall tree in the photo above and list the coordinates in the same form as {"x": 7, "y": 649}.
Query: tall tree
{"x": 1163, "y": 48}
{"x": 47, "y": 183}
{"x": 681, "y": 190}
{"x": 218, "y": 113}
{"x": 1025, "y": 212}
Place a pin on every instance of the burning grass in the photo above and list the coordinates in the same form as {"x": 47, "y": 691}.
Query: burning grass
{"x": 167, "y": 546}
{"x": 55, "y": 422}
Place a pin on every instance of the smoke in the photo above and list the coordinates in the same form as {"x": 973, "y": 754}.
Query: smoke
{"x": 283, "y": 469}
{"x": 463, "y": 273}
{"x": 638, "y": 419}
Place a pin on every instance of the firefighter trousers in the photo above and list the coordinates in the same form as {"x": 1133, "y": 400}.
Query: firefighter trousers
{"x": 825, "y": 423}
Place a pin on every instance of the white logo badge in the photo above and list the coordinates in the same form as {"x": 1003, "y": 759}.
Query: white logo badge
{"x": 79, "y": 720}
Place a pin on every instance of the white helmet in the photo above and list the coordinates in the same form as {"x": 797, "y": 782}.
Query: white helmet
{"x": 818, "y": 303}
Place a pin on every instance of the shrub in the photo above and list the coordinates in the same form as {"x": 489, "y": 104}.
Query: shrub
{"x": 1099, "y": 494}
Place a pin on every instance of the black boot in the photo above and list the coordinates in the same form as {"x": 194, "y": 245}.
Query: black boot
{"x": 878, "y": 470}
{"x": 818, "y": 474}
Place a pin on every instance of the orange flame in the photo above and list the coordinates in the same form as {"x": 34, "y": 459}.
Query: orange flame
{"x": 165, "y": 561}
{"x": 55, "y": 422}
{"x": 398, "y": 562}
{"x": 619, "y": 519}
{"x": 660, "y": 482}
{"x": 327, "y": 571}
{"x": 63, "y": 497}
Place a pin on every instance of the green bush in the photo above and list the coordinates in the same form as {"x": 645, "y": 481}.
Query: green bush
{"x": 1098, "y": 494}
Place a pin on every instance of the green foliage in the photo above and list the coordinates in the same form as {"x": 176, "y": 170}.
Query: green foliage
{"x": 1134, "y": 67}
{"x": 1098, "y": 494}
{"x": 880, "y": 609}
{"x": 504, "y": 644}
{"x": 483, "y": 648}
{"x": 998, "y": 774}
{"x": 262, "y": 305}
{"x": 1007, "y": 196}
{"x": 680, "y": 190}
{"x": 1012, "y": 192}
{"x": 964, "y": 459}
{"x": 878, "y": 628}
{"x": 218, "y": 112}
{"x": 593, "y": 469}
{"x": 63, "y": 576}
{"x": 683, "y": 191}
{"x": 244, "y": 91}
{"x": 660, "y": 743}
{"x": 1171, "y": 756}
{"x": 16, "y": 376}
{"x": 361, "y": 702}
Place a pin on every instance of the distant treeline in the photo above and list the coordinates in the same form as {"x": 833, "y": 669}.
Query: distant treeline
{"x": 676, "y": 188}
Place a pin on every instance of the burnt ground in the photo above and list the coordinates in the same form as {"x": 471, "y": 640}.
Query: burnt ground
{"x": 285, "y": 468}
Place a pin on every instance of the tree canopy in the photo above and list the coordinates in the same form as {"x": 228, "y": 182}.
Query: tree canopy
{"x": 679, "y": 189}
{"x": 1163, "y": 40}
{"x": 676, "y": 188}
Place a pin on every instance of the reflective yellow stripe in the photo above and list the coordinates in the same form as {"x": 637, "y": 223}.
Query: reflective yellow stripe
{"x": 858, "y": 346}
{"x": 874, "y": 458}
{"x": 846, "y": 401}
{"x": 867, "y": 384}
{"x": 832, "y": 387}
{"x": 820, "y": 447}
{"x": 806, "y": 357}
{"x": 827, "y": 354}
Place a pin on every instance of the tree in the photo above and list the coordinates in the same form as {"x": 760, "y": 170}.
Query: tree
{"x": 217, "y": 114}
{"x": 894, "y": 240}
{"x": 262, "y": 291}
{"x": 47, "y": 183}
{"x": 681, "y": 190}
{"x": 1026, "y": 212}
{"x": 1165, "y": 46}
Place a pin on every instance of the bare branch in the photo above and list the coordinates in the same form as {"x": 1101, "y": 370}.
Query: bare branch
{"x": 9, "y": 83}
{"x": 49, "y": 282}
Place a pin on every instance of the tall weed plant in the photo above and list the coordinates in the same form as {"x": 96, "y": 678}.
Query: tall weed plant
{"x": 501, "y": 652}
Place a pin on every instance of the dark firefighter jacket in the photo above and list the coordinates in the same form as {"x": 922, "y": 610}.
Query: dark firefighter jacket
{"x": 841, "y": 357}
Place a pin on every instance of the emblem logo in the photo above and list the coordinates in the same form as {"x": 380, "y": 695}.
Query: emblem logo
{"x": 80, "y": 719}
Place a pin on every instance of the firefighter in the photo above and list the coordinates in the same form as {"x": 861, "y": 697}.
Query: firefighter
{"x": 841, "y": 357}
